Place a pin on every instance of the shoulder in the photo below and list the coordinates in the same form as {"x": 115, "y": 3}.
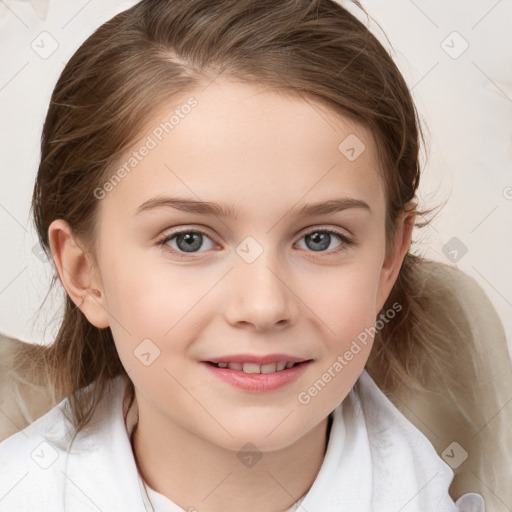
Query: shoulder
{"x": 32, "y": 464}
{"x": 386, "y": 423}
{"x": 22, "y": 399}
{"x": 373, "y": 449}
{"x": 467, "y": 413}
{"x": 403, "y": 458}
{"x": 43, "y": 468}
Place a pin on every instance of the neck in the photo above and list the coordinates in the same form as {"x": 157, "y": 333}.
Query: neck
{"x": 196, "y": 475}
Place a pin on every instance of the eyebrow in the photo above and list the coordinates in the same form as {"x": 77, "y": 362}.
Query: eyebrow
{"x": 228, "y": 211}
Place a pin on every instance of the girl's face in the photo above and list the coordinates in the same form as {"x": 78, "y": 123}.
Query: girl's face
{"x": 214, "y": 248}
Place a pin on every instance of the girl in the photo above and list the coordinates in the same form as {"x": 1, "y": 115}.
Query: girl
{"x": 227, "y": 190}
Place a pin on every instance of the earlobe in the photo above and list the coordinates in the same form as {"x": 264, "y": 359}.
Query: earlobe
{"x": 395, "y": 257}
{"x": 76, "y": 273}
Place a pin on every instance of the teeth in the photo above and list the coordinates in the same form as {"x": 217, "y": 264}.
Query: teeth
{"x": 251, "y": 368}
{"x": 256, "y": 368}
{"x": 268, "y": 368}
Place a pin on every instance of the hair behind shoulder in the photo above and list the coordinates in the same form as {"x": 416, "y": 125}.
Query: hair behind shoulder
{"x": 450, "y": 373}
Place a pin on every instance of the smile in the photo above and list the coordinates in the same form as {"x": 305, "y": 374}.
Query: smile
{"x": 256, "y": 368}
{"x": 255, "y": 377}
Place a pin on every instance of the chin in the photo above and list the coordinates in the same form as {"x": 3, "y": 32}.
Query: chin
{"x": 261, "y": 438}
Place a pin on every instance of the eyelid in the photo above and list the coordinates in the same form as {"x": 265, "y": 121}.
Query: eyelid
{"x": 331, "y": 229}
{"x": 305, "y": 231}
{"x": 187, "y": 229}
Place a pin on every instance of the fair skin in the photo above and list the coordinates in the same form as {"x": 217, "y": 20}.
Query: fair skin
{"x": 265, "y": 153}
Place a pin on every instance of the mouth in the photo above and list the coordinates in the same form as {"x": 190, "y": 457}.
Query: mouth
{"x": 258, "y": 374}
{"x": 253, "y": 368}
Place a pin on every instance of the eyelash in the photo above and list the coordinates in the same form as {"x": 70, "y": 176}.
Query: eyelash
{"x": 344, "y": 239}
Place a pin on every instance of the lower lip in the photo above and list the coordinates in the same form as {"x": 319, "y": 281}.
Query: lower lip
{"x": 258, "y": 382}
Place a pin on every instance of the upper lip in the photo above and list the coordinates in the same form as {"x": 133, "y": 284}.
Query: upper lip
{"x": 261, "y": 360}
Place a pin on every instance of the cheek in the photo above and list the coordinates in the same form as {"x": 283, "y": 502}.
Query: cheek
{"x": 152, "y": 317}
{"x": 145, "y": 303}
{"x": 147, "y": 292}
{"x": 345, "y": 298}
{"x": 344, "y": 302}
{"x": 349, "y": 313}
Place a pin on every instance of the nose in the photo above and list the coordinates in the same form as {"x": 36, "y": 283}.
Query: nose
{"x": 260, "y": 295}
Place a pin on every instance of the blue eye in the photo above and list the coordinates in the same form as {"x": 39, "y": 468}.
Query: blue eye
{"x": 320, "y": 239}
{"x": 188, "y": 242}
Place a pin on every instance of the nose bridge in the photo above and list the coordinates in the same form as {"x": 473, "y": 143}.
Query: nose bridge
{"x": 258, "y": 292}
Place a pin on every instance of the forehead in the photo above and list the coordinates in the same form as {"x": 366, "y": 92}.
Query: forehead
{"x": 250, "y": 145}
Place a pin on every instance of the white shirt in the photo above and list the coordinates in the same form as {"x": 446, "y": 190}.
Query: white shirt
{"x": 376, "y": 460}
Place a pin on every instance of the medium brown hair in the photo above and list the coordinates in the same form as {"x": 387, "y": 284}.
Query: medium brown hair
{"x": 159, "y": 50}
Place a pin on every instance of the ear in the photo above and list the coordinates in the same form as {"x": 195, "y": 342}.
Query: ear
{"x": 393, "y": 260}
{"x": 77, "y": 273}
